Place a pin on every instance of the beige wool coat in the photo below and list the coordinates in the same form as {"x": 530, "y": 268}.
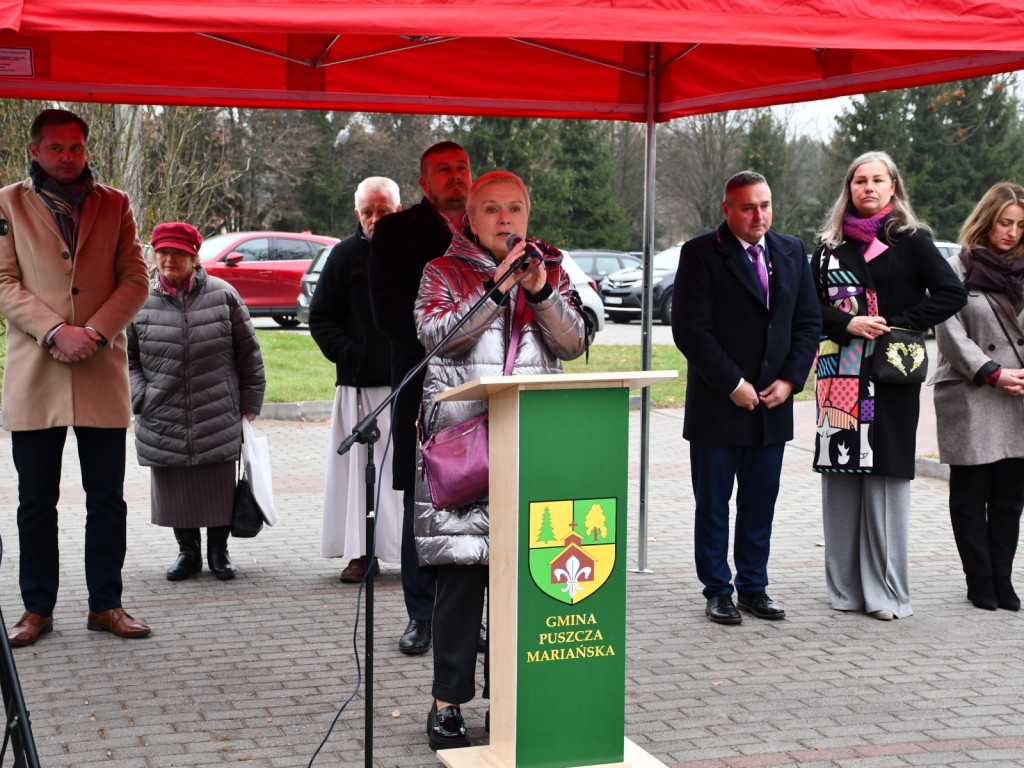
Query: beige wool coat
{"x": 977, "y": 424}
{"x": 103, "y": 287}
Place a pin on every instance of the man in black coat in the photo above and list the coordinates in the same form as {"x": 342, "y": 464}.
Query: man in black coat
{"x": 341, "y": 323}
{"x": 745, "y": 315}
{"x": 402, "y": 245}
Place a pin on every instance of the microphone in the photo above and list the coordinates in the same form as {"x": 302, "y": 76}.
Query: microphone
{"x": 523, "y": 262}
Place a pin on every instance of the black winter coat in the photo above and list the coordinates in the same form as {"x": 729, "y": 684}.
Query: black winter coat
{"x": 195, "y": 367}
{"x": 722, "y": 326}
{"x": 341, "y": 319}
{"x": 916, "y": 288}
{"x": 402, "y": 245}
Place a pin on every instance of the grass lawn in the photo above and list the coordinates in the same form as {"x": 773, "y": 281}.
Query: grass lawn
{"x": 297, "y": 372}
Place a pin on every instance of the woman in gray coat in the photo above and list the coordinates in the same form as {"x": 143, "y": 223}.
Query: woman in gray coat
{"x": 196, "y": 370}
{"x": 978, "y": 386}
{"x": 552, "y": 329}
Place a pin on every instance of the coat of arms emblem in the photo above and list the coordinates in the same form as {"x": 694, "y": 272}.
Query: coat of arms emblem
{"x": 572, "y": 546}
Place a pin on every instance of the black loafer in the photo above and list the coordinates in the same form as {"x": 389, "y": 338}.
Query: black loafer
{"x": 415, "y": 641}
{"x": 481, "y": 642}
{"x": 761, "y": 606}
{"x": 721, "y": 610}
{"x": 446, "y": 729}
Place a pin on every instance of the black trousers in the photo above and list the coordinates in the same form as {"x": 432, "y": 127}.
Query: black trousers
{"x": 985, "y": 503}
{"x": 37, "y": 458}
{"x": 458, "y": 611}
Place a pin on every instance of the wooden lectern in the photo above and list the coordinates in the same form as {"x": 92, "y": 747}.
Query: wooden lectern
{"x": 557, "y": 625}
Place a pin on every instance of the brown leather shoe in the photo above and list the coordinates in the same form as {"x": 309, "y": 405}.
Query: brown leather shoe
{"x": 29, "y": 628}
{"x": 117, "y": 622}
{"x": 356, "y": 570}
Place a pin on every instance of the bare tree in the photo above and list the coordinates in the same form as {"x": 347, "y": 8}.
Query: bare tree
{"x": 696, "y": 156}
{"x": 628, "y": 176}
{"x": 188, "y": 165}
{"x": 387, "y": 145}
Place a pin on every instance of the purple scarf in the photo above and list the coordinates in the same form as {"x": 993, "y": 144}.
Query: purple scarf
{"x": 985, "y": 271}
{"x": 864, "y": 230}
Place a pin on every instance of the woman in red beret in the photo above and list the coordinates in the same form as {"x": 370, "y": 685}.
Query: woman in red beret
{"x": 196, "y": 370}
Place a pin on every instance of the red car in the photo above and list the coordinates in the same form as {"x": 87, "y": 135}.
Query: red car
{"x": 264, "y": 267}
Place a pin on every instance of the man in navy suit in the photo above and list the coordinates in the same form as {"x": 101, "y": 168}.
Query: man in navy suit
{"x": 745, "y": 315}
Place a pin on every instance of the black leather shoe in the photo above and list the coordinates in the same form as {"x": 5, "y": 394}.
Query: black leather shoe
{"x": 721, "y": 610}
{"x": 1006, "y": 597}
{"x": 761, "y": 606}
{"x": 220, "y": 564}
{"x": 446, "y": 729}
{"x": 481, "y": 642}
{"x": 981, "y": 592}
{"x": 415, "y": 641}
{"x": 187, "y": 564}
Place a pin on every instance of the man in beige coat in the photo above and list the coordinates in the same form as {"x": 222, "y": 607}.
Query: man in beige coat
{"x": 72, "y": 277}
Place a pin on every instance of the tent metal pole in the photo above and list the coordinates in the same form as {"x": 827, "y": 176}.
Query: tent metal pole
{"x": 650, "y": 152}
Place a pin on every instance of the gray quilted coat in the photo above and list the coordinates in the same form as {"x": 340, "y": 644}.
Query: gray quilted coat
{"x": 195, "y": 367}
{"x": 553, "y": 331}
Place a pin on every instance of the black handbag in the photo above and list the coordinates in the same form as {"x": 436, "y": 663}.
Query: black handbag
{"x": 900, "y": 357}
{"x": 246, "y": 517}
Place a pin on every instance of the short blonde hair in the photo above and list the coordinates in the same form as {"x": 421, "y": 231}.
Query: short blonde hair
{"x": 496, "y": 177}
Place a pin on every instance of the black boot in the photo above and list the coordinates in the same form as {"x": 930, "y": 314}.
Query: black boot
{"x": 1005, "y": 594}
{"x": 190, "y": 561}
{"x": 217, "y": 553}
{"x": 981, "y": 592}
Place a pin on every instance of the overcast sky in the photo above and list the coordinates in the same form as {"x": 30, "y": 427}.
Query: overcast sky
{"x": 814, "y": 118}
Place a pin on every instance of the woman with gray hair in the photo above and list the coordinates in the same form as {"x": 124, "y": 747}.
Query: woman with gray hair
{"x": 876, "y": 268}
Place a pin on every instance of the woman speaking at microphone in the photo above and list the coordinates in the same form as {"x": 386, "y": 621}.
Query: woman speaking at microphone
{"x": 533, "y": 319}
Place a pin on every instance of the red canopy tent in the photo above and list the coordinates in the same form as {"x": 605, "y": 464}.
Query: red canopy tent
{"x": 615, "y": 59}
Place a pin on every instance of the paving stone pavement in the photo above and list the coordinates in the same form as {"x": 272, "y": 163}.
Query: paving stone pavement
{"x": 252, "y": 671}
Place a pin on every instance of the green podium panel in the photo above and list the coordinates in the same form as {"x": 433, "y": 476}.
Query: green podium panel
{"x": 570, "y": 659}
{"x": 559, "y": 458}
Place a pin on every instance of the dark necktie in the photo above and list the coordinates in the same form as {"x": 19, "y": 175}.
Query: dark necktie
{"x": 762, "y": 273}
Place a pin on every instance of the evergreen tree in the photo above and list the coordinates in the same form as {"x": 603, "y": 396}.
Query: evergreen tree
{"x": 567, "y": 166}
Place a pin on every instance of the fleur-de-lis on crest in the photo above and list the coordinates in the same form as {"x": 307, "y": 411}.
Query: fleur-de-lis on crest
{"x": 571, "y": 575}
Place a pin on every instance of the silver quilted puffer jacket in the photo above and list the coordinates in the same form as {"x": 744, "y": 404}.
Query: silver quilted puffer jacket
{"x": 553, "y": 331}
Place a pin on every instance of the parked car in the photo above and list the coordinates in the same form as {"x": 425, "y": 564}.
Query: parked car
{"x": 264, "y": 267}
{"x": 623, "y": 295}
{"x": 587, "y": 290}
{"x": 599, "y": 264}
{"x": 947, "y": 249}
{"x": 308, "y": 283}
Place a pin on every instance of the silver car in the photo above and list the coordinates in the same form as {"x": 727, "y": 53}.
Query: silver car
{"x": 587, "y": 290}
{"x": 308, "y": 284}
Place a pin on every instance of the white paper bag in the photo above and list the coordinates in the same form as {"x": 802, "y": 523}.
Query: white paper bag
{"x": 256, "y": 462}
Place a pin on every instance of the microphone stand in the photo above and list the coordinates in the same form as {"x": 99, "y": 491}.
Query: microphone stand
{"x": 18, "y": 729}
{"x": 368, "y": 433}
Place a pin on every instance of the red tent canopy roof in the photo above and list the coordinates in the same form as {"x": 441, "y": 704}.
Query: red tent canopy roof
{"x": 552, "y": 58}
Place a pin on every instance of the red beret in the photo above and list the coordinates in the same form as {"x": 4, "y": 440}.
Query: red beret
{"x": 178, "y": 235}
